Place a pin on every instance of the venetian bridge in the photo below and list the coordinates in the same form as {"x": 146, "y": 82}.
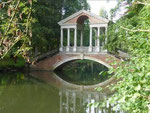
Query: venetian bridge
{"x": 73, "y": 42}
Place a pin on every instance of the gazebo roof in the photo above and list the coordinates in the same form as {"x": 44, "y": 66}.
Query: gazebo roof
{"x": 83, "y": 14}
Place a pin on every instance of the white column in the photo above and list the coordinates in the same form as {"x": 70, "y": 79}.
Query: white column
{"x": 60, "y": 94}
{"x": 89, "y": 101}
{"x": 106, "y": 35}
{"x": 67, "y": 102}
{"x": 81, "y": 41}
{"x": 74, "y": 102}
{"x": 75, "y": 40}
{"x": 90, "y": 45}
{"x": 68, "y": 40}
{"x": 98, "y": 40}
{"x": 61, "y": 40}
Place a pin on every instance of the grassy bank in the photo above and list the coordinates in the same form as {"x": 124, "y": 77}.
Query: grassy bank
{"x": 12, "y": 63}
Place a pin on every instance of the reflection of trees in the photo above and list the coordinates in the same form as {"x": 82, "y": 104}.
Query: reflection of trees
{"x": 28, "y": 96}
{"x": 9, "y": 78}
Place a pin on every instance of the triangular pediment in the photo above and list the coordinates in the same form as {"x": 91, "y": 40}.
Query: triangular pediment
{"x": 94, "y": 19}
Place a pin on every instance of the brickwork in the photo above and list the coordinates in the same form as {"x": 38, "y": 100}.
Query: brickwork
{"x": 92, "y": 19}
{"x": 53, "y": 62}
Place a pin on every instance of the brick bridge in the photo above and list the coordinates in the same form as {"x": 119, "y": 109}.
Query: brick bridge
{"x": 51, "y": 63}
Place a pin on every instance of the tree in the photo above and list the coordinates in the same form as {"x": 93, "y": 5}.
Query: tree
{"x": 32, "y": 25}
{"x": 132, "y": 92}
{"x": 46, "y": 30}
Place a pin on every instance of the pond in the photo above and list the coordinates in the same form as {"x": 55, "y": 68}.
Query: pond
{"x": 44, "y": 92}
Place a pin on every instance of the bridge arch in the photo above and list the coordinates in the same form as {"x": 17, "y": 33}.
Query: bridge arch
{"x": 55, "y": 61}
{"x": 57, "y": 64}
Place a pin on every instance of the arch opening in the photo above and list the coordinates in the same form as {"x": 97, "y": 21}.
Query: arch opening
{"x": 83, "y": 23}
{"x": 83, "y": 72}
{"x": 82, "y": 19}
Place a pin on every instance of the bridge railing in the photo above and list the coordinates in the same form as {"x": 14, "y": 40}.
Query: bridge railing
{"x": 84, "y": 50}
{"x": 38, "y": 58}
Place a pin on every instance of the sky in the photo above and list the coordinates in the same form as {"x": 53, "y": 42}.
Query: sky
{"x": 96, "y": 5}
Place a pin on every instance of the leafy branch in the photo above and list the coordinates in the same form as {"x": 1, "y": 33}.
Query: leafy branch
{"x": 17, "y": 39}
{"x": 143, "y": 3}
{"x": 138, "y": 30}
{"x": 16, "y": 27}
{"x": 3, "y": 3}
{"x": 10, "y": 22}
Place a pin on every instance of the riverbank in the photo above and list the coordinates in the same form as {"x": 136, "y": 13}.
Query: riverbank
{"x": 12, "y": 64}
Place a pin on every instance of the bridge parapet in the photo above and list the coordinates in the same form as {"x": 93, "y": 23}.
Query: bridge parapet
{"x": 84, "y": 50}
{"x": 46, "y": 55}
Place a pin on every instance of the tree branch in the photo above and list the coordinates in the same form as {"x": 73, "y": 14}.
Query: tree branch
{"x": 17, "y": 39}
{"x": 29, "y": 15}
{"x": 7, "y": 2}
{"x": 10, "y": 22}
{"x": 138, "y": 30}
{"x": 143, "y": 3}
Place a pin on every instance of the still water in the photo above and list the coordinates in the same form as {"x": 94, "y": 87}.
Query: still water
{"x": 45, "y": 92}
{"x": 20, "y": 93}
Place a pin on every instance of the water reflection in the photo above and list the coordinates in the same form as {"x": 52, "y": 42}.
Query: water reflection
{"x": 73, "y": 99}
{"x": 43, "y": 93}
{"x": 76, "y": 102}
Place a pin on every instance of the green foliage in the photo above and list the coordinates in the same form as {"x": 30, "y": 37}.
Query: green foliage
{"x": 32, "y": 24}
{"x": 15, "y": 22}
{"x": 8, "y": 62}
{"x": 72, "y": 6}
{"x": 45, "y": 29}
{"x": 132, "y": 33}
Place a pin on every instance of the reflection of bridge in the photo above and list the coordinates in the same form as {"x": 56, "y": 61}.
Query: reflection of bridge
{"x": 71, "y": 101}
{"x": 74, "y": 99}
{"x": 77, "y": 49}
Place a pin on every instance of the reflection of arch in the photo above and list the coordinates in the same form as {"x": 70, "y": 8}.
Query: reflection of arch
{"x": 81, "y": 19}
{"x": 57, "y": 64}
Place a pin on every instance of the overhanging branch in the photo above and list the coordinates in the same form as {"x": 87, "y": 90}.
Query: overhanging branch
{"x": 144, "y": 3}
{"x": 3, "y": 3}
{"x": 138, "y": 30}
